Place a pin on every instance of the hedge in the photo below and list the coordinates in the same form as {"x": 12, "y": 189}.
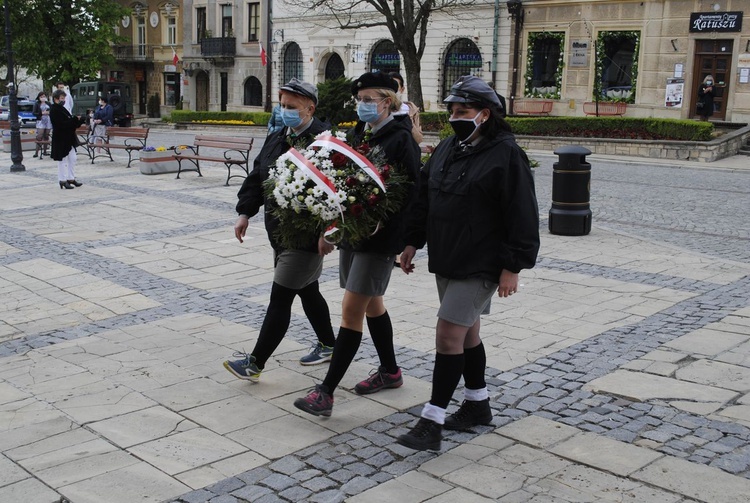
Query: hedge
{"x": 258, "y": 118}
{"x": 594, "y": 127}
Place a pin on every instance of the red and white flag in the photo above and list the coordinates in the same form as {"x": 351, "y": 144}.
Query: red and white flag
{"x": 262, "y": 54}
{"x": 175, "y": 59}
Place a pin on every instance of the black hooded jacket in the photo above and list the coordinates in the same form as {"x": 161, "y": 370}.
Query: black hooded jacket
{"x": 476, "y": 210}
{"x": 402, "y": 152}
{"x": 251, "y": 196}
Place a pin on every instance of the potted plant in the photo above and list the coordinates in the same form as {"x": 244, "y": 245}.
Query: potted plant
{"x": 157, "y": 160}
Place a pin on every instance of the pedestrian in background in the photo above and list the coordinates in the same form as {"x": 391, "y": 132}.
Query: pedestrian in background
{"x": 296, "y": 272}
{"x": 275, "y": 123}
{"x": 64, "y": 140}
{"x": 43, "y": 124}
{"x": 706, "y": 98}
{"x": 365, "y": 270}
{"x": 478, "y": 215}
{"x": 60, "y": 86}
{"x": 408, "y": 108}
{"x": 103, "y": 118}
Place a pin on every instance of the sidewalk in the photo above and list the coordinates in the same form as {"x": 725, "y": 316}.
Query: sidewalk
{"x": 620, "y": 372}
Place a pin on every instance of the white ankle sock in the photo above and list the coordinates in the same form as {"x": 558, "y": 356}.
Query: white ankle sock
{"x": 433, "y": 413}
{"x": 476, "y": 395}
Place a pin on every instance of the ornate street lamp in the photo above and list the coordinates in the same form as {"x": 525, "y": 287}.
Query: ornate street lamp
{"x": 515, "y": 9}
{"x": 16, "y": 154}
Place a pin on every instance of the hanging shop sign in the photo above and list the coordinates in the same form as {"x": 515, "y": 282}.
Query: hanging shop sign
{"x": 703, "y": 22}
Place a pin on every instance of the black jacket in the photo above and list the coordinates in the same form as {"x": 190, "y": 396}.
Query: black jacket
{"x": 707, "y": 99}
{"x": 401, "y": 151}
{"x": 64, "y": 127}
{"x": 251, "y": 196}
{"x": 477, "y": 210}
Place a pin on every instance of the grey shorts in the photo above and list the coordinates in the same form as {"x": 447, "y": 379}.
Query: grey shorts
{"x": 365, "y": 273}
{"x": 463, "y": 300}
{"x": 296, "y": 269}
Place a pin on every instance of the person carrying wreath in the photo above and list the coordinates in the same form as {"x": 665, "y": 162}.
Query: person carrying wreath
{"x": 296, "y": 271}
{"x": 478, "y": 215}
{"x": 365, "y": 269}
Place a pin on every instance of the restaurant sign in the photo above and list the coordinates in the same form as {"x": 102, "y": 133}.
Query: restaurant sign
{"x": 702, "y": 22}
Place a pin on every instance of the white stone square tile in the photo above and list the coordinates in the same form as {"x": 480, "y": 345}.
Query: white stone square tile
{"x": 537, "y": 431}
{"x": 189, "y": 394}
{"x": 605, "y": 453}
{"x": 281, "y": 436}
{"x": 233, "y": 413}
{"x": 28, "y": 491}
{"x": 141, "y": 426}
{"x": 412, "y": 487}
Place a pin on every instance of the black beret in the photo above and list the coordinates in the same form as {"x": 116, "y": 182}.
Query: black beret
{"x": 471, "y": 89}
{"x": 374, "y": 80}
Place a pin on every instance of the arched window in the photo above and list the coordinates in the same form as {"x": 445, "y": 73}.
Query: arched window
{"x": 253, "y": 92}
{"x": 334, "y": 67}
{"x": 461, "y": 58}
{"x": 385, "y": 57}
{"x": 292, "y": 62}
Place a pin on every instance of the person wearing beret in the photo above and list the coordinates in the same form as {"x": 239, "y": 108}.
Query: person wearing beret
{"x": 296, "y": 272}
{"x": 365, "y": 270}
{"x": 478, "y": 215}
{"x": 64, "y": 140}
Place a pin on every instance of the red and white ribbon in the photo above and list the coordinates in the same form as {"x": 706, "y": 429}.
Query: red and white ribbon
{"x": 332, "y": 143}
{"x": 321, "y": 180}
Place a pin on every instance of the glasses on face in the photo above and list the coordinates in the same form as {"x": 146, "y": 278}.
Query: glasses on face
{"x": 367, "y": 99}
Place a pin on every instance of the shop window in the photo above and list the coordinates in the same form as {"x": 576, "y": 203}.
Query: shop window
{"x": 385, "y": 57}
{"x": 461, "y": 58}
{"x": 544, "y": 65}
{"x": 292, "y": 67}
{"x": 334, "y": 67}
{"x": 171, "y": 89}
{"x": 253, "y": 95}
{"x": 616, "y": 65}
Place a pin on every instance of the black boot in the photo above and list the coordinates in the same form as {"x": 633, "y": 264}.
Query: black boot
{"x": 426, "y": 435}
{"x": 470, "y": 414}
{"x": 66, "y": 185}
{"x": 74, "y": 182}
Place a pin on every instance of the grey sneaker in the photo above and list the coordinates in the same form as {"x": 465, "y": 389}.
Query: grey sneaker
{"x": 319, "y": 354}
{"x": 244, "y": 368}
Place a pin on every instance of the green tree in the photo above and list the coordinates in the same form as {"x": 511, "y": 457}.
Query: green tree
{"x": 335, "y": 103}
{"x": 68, "y": 40}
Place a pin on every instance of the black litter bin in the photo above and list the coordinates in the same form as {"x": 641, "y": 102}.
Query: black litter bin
{"x": 570, "y": 214}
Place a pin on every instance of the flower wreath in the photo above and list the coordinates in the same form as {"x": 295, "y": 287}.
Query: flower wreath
{"x": 332, "y": 188}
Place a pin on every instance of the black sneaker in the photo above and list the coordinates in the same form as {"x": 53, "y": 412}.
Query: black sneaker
{"x": 470, "y": 414}
{"x": 426, "y": 435}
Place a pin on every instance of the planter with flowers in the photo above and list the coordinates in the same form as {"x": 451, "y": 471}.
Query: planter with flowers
{"x": 157, "y": 160}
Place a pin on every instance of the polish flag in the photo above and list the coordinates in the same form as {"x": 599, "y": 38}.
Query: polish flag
{"x": 262, "y": 54}
{"x": 175, "y": 59}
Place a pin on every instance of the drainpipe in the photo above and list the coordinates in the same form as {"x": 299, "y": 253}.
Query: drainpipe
{"x": 495, "y": 35}
{"x": 515, "y": 9}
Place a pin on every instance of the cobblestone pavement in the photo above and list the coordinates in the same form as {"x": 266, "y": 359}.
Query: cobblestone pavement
{"x": 621, "y": 371}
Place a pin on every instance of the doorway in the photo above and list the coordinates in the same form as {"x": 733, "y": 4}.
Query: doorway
{"x": 201, "y": 91}
{"x": 713, "y": 57}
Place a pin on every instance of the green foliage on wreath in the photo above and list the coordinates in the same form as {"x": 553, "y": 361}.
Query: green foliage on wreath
{"x": 601, "y": 41}
{"x": 529, "y": 76}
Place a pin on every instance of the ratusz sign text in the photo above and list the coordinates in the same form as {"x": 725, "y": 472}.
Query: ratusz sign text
{"x": 715, "y": 21}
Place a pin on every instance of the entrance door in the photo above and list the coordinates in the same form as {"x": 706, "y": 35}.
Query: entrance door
{"x": 142, "y": 96}
{"x": 201, "y": 91}
{"x": 713, "y": 57}
{"x": 224, "y": 91}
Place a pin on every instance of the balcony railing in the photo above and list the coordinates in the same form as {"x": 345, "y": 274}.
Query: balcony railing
{"x": 219, "y": 47}
{"x": 134, "y": 52}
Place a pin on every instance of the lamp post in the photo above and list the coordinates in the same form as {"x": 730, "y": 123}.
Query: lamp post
{"x": 16, "y": 155}
{"x": 269, "y": 31}
{"x": 515, "y": 9}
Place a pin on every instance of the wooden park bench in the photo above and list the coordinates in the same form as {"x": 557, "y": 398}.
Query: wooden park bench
{"x": 532, "y": 107}
{"x": 605, "y": 108}
{"x": 83, "y": 139}
{"x": 236, "y": 153}
{"x": 133, "y": 140}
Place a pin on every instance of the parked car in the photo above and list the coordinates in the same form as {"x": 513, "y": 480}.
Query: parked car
{"x": 5, "y": 105}
{"x": 26, "y": 118}
{"x": 86, "y": 98}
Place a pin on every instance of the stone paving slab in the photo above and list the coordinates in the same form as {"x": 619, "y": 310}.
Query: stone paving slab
{"x": 113, "y": 331}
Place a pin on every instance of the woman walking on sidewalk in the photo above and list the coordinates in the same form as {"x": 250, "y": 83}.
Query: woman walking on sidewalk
{"x": 478, "y": 214}
{"x": 296, "y": 272}
{"x": 364, "y": 271}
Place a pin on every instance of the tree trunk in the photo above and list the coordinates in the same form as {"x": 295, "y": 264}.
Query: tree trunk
{"x": 413, "y": 66}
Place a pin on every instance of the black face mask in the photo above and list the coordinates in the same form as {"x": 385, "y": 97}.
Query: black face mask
{"x": 464, "y": 128}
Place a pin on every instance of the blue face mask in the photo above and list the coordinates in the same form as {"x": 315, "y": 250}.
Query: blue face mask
{"x": 368, "y": 112}
{"x": 290, "y": 118}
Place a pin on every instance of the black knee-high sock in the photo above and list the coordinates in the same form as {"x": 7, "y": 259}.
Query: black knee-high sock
{"x": 344, "y": 350}
{"x": 317, "y": 312}
{"x": 445, "y": 377}
{"x": 475, "y": 361}
{"x": 275, "y": 324}
{"x": 381, "y": 331}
